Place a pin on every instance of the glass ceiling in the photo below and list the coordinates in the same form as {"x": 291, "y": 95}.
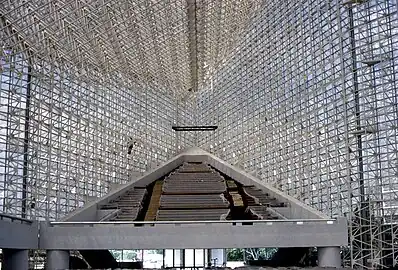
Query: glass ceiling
{"x": 175, "y": 43}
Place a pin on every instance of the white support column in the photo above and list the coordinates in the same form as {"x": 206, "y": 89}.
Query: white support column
{"x": 329, "y": 257}
{"x": 57, "y": 259}
{"x": 15, "y": 259}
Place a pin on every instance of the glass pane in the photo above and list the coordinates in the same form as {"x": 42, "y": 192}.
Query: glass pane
{"x": 177, "y": 258}
{"x": 168, "y": 258}
{"x": 117, "y": 254}
{"x": 134, "y": 255}
{"x": 206, "y": 251}
{"x": 217, "y": 257}
{"x": 153, "y": 258}
{"x": 199, "y": 257}
{"x": 189, "y": 258}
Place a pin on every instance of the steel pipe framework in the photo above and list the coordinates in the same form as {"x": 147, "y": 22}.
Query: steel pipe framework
{"x": 304, "y": 94}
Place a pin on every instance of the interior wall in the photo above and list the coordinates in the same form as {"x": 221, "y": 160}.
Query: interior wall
{"x": 307, "y": 102}
{"x": 279, "y": 105}
{"x": 68, "y": 135}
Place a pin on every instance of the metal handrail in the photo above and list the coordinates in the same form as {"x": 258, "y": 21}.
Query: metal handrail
{"x": 268, "y": 221}
{"x": 3, "y": 215}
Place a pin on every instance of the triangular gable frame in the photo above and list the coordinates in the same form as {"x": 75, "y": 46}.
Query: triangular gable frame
{"x": 295, "y": 209}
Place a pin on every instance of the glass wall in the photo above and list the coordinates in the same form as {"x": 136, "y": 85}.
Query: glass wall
{"x": 86, "y": 105}
{"x": 307, "y": 103}
{"x": 14, "y": 99}
{"x": 69, "y": 136}
{"x": 188, "y": 258}
{"x": 305, "y": 99}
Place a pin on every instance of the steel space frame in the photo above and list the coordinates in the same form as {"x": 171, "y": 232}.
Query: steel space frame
{"x": 305, "y": 99}
{"x": 307, "y": 102}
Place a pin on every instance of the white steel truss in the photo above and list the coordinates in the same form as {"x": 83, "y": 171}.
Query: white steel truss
{"x": 307, "y": 101}
{"x": 304, "y": 94}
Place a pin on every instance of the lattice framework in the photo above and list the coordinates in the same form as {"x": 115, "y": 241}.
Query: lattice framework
{"x": 304, "y": 93}
{"x": 90, "y": 90}
{"x": 307, "y": 102}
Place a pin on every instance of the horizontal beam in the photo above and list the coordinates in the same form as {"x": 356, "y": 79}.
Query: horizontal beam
{"x": 4, "y": 216}
{"x": 173, "y": 234}
{"x": 17, "y": 235}
{"x": 194, "y": 128}
{"x": 217, "y": 235}
{"x": 99, "y": 223}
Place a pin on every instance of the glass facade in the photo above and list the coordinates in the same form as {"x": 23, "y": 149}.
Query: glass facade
{"x": 81, "y": 137}
{"x": 304, "y": 94}
{"x": 307, "y": 102}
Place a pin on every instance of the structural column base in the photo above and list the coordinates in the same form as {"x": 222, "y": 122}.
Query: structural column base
{"x": 329, "y": 257}
{"x": 57, "y": 259}
{"x": 15, "y": 259}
